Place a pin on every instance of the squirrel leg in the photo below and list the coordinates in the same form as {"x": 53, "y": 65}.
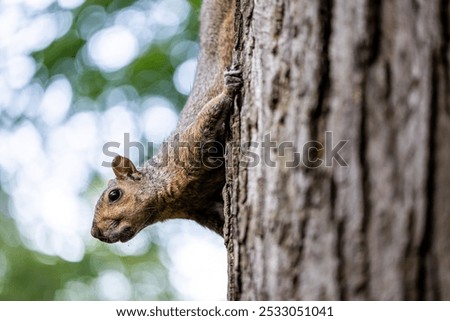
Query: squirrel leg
{"x": 207, "y": 131}
{"x": 209, "y": 124}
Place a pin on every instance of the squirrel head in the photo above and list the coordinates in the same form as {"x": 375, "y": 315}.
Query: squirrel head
{"x": 121, "y": 212}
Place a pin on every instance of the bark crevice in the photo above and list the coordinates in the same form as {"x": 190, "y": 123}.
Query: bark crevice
{"x": 318, "y": 113}
{"x": 365, "y": 185}
{"x": 425, "y": 270}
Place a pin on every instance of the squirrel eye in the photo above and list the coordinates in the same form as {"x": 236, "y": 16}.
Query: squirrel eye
{"x": 114, "y": 195}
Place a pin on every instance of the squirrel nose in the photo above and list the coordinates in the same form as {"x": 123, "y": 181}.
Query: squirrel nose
{"x": 95, "y": 231}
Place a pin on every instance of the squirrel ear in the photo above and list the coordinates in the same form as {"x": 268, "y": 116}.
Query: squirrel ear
{"x": 124, "y": 168}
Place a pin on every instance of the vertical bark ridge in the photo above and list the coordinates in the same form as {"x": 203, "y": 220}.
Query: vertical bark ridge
{"x": 232, "y": 191}
{"x": 231, "y": 195}
{"x": 245, "y": 278}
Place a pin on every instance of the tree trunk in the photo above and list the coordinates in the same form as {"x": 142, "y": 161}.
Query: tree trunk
{"x": 375, "y": 74}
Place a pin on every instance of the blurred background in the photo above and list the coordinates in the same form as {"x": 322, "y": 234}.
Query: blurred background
{"x": 75, "y": 75}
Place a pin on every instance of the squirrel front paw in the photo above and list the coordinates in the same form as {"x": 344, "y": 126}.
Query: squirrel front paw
{"x": 233, "y": 79}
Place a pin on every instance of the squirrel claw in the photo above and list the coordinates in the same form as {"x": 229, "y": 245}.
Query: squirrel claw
{"x": 233, "y": 79}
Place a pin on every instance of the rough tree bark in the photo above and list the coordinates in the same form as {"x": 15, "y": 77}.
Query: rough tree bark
{"x": 375, "y": 73}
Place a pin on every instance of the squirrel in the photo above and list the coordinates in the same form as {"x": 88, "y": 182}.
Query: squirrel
{"x": 185, "y": 178}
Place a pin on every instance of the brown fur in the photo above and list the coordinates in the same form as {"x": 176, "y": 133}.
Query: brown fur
{"x": 184, "y": 187}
